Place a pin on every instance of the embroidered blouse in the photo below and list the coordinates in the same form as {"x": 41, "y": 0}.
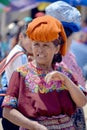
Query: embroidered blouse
{"x": 32, "y": 96}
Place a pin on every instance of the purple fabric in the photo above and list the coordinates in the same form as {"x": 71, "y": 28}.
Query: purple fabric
{"x": 84, "y": 29}
{"x": 70, "y": 62}
{"x": 22, "y": 128}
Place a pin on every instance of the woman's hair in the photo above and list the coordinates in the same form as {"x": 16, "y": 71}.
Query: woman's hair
{"x": 57, "y": 57}
{"x": 22, "y": 29}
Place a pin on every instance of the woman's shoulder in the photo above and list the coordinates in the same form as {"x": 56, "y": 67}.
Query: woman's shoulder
{"x": 62, "y": 67}
{"x": 23, "y": 70}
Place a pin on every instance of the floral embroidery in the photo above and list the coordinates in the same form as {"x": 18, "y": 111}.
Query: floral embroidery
{"x": 23, "y": 70}
{"x": 68, "y": 73}
{"x": 37, "y": 83}
{"x": 10, "y": 101}
{"x": 34, "y": 79}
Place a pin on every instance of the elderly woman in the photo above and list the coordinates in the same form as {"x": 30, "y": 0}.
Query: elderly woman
{"x": 42, "y": 95}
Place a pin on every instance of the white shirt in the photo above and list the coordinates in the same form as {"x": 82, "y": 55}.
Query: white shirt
{"x": 19, "y": 61}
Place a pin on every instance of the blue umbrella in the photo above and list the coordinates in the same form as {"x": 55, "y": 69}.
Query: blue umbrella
{"x": 72, "y": 2}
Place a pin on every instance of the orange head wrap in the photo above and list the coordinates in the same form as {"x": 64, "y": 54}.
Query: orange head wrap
{"x": 46, "y": 29}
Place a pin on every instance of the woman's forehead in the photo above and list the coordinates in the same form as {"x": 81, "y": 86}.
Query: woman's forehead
{"x": 42, "y": 42}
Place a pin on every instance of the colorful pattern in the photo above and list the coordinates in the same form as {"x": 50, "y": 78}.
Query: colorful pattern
{"x": 41, "y": 86}
{"x": 10, "y": 101}
{"x": 79, "y": 119}
{"x": 57, "y": 122}
{"x": 34, "y": 80}
{"x": 23, "y": 70}
{"x": 61, "y": 122}
{"x": 34, "y": 87}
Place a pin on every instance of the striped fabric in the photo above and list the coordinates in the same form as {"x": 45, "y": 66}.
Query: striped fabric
{"x": 61, "y": 122}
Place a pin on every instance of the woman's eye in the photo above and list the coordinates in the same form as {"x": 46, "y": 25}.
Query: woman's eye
{"x": 36, "y": 44}
{"x": 45, "y": 45}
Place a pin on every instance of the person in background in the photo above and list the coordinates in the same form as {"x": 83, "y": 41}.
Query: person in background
{"x": 79, "y": 49}
{"x": 83, "y": 36}
{"x": 39, "y": 14}
{"x": 3, "y": 50}
{"x": 70, "y": 18}
{"x": 84, "y": 22}
{"x": 0, "y": 47}
{"x": 20, "y": 43}
{"x": 12, "y": 30}
{"x": 36, "y": 95}
{"x": 83, "y": 40}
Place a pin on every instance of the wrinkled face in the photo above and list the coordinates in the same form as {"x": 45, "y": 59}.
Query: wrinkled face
{"x": 44, "y": 52}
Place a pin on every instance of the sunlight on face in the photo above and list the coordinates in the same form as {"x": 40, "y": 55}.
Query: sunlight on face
{"x": 43, "y": 52}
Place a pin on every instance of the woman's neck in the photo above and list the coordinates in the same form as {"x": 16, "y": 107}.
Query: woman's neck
{"x": 42, "y": 66}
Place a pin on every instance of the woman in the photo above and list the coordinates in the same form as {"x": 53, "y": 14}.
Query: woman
{"x": 43, "y": 95}
{"x": 20, "y": 44}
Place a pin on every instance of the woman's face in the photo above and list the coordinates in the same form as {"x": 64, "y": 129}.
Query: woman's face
{"x": 44, "y": 52}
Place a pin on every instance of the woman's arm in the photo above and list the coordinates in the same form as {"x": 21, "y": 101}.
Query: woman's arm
{"x": 77, "y": 95}
{"x": 19, "y": 119}
{"x": 10, "y": 103}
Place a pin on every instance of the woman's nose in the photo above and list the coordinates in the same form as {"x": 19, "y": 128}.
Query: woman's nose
{"x": 41, "y": 49}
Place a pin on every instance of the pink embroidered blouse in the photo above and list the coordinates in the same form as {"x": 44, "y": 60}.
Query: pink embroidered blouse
{"x": 33, "y": 97}
{"x": 70, "y": 62}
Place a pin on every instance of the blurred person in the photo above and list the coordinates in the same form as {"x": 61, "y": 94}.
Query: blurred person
{"x": 36, "y": 99}
{"x": 2, "y": 53}
{"x": 70, "y": 18}
{"x": 20, "y": 44}
{"x": 83, "y": 36}
{"x": 0, "y": 47}
{"x": 78, "y": 35}
{"x": 12, "y": 30}
{"x": 84, "y": 22}
{"x": 39, "y": 14}
{"x": 79, "y": 49}
{"x": 5, "y": 47}
{"x": 15, "y": 41}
